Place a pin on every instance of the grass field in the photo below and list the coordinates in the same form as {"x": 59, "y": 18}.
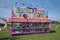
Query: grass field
{"x": 5, "y": 35}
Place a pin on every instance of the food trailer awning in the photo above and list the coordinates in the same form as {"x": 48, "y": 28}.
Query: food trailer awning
{"x": 26, "y": 20}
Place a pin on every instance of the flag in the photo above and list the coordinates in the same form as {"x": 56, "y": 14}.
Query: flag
{"x": 23, "y": 4}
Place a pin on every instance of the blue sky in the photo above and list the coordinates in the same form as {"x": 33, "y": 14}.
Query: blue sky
{"x": 53, "y": 7}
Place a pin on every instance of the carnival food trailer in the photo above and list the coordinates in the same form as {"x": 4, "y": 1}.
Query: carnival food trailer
{"x": 27, "y": 20}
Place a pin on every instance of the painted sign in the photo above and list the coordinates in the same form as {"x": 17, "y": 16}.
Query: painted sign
{"x": 31, "y": 12}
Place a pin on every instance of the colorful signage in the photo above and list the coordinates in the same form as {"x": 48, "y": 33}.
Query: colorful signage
{"x": 31, "y": 12}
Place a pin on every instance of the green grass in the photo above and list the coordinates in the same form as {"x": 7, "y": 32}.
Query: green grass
{"x": 5, "y": 35}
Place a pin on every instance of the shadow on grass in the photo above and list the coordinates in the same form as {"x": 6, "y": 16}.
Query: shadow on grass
{"x": 52, "y": 31}
{"x": 9, "y": 38}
